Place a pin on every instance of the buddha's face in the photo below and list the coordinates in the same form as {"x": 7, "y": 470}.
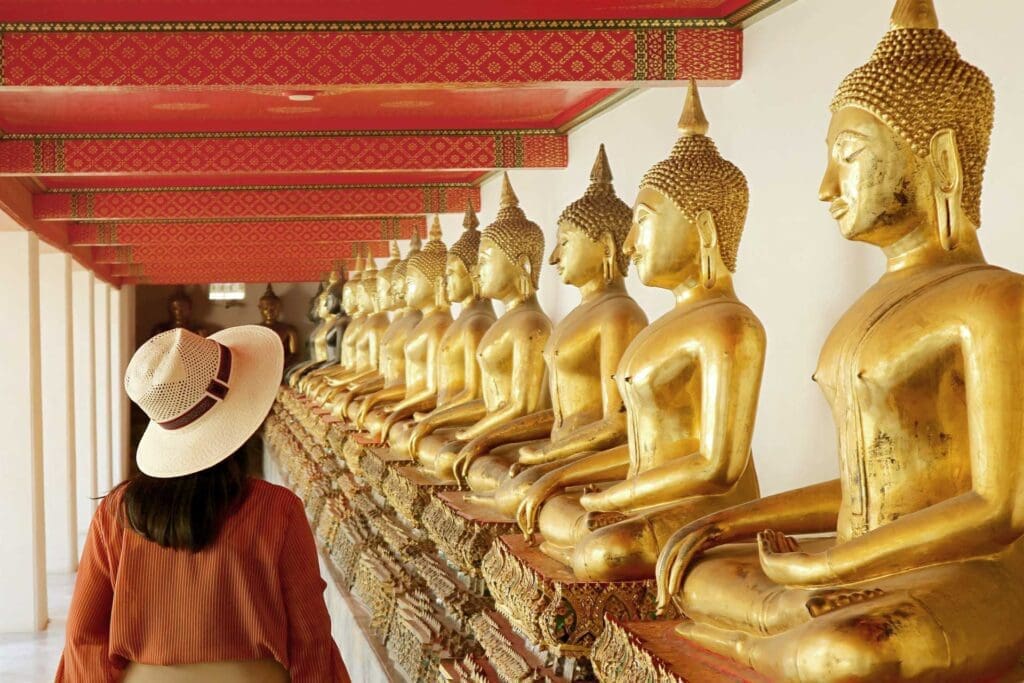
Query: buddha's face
{"x": 270, "y": 309}
{"x": 383, "y": 295}
{"x": 323, "y": 307}
{"x": 348, "y": 297}
{"x": 459, "y": 282}
{"x": 877, "y": 187}
{"x": 577, "y": 258}
{"x": 663, "y": 243}
{"x": 398, "y": 288}
{"x": 364, "y": 297}
{"x": 181, "y": 309}
{"x": 419, "y": 290}
{"x": 499, "y": 276}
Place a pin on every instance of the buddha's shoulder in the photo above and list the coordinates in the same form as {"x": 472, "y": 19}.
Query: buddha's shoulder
{"x": 988, "y": 288}
{"x": 624, "y": 308}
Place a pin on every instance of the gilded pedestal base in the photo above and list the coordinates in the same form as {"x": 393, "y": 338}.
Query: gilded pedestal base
{"x": 463, "y": 530}
{"x": 509, "y": 655}
{"x": 467, "y": 670}
{"x": 376, "y": 461}
{"x": 409, "y": 489}
{"x": 545, "y": 601}
{"x": 652, "y": 651}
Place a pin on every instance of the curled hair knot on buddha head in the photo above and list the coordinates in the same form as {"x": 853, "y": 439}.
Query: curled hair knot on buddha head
{"x": 696, "y": 178}
{"x": 917, "y": 84}
{"x": 519, "y": 239}
{"x": 600, "y": 211}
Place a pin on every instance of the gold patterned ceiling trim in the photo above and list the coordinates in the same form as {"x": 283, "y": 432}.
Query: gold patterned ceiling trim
{"x": 743, "y": 16}
{"x": 466, "y": 132}
{"x": 252, "y": 188}
{"x": 363, "y": 26}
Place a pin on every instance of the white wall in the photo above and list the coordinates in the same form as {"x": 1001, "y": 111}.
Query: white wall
{"x": 795, "y": 271}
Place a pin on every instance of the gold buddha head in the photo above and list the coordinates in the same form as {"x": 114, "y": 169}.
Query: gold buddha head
{"x": 690, "y": 210}
{"x": 424, "y": 284}
{"x": 349, "y": 290}
{"x": 367, "y": 289}
{"x": 462, "y": 259}
{"x": 179, "y": 306}
{"x": 909, "y": 137}
{"x": 269, "y": 305}
{"x": 511, "y": 249}
{"x": 385, "y": 279}
{"x": 592, "y": 230}
{"x": 401, "y": 277}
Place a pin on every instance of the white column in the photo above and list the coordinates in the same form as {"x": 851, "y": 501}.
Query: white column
{"x": 58, "y": 387}
{"x": 127, "y": 351}
{"x": 83, "y": 297}
{"x": 22, "y": 521}
{"x": 101, "y": 351}
{"x": 118, "y": 456}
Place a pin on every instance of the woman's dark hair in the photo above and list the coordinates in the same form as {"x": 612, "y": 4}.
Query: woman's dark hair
{"x": 185, "y": 513}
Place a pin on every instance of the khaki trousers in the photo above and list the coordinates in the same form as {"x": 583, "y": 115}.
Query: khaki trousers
{"x": 256, "y": 671}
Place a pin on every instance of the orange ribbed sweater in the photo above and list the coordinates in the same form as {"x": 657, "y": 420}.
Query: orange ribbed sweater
{"x": 255, "y": 593}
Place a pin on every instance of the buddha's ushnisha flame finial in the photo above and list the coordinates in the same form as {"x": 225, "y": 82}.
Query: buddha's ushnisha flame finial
{"x": 269, "y": 291}
{"x": 395, "y": 254}
{"x": 434, "y": 234}
{"x": 915, "y": 14}
{"x": 508, "y": 195}
{"x": 693, "y": 121}
{"x": 370, "y": 269}
{"x": 601, "y": 173}
{"x": 414, "y": 243}
{"x": 469, "y": 220}
{"x": 358, "y": 267}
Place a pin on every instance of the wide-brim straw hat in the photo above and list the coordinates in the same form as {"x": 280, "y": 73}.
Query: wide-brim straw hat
{"x": 204, "y": 396}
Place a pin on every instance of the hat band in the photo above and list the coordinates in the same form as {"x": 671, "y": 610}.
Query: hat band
{"x": 215, "y": 393}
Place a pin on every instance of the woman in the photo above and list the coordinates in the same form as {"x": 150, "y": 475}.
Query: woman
{"x": 191, "y": 571}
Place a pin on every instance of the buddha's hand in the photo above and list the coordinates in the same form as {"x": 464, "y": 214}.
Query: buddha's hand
{"x": 421, "y": 430}
{"x": 785, "y": 563}
{"x": 679, "y": 553}
{"x": 612, "y": 499}
{"x": 531, "y": 455}
{"x": 544, "y": 488}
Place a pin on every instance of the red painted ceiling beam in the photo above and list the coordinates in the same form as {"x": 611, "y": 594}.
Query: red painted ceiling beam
{"x": 157, "y": 255}
{"x": 227, "y": 233}
{"x": 255, "y": 202}
{"x": 323, "y": 56}
{"x": 272, "y": 153}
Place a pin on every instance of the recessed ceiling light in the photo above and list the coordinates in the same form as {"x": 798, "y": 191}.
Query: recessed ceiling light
{"x": 301, "y": 97}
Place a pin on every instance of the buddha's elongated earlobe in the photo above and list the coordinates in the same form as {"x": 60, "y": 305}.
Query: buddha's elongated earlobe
{"x": 945, "y": 162}
{"x": 709, "y": 255}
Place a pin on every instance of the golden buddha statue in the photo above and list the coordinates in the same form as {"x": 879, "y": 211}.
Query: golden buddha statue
{"x": 689, "y": 381}
{"x": 179, "y": 309}
{"x": 367, "y": 346}
{"x": 297, "y": 368}
{"x": 458, "y": 373}
{"x": 354, "y": 347}
{"x": 390, "y": 365}
{"x": 425, "y": 292}
{"x": 321, "y": 362}
{"x": 510, "y": 354}
{"x": 581, "y": 355}
{"x": 270, "y": 313}
{"x": 924, "y": 577}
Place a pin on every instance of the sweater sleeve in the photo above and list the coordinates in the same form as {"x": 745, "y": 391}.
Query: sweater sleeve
{"x": 313, "y": 656}
{"x": 86, "y": 656}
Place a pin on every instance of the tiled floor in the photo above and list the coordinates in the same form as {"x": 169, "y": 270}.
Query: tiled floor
{"x": 33, "y": 657}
